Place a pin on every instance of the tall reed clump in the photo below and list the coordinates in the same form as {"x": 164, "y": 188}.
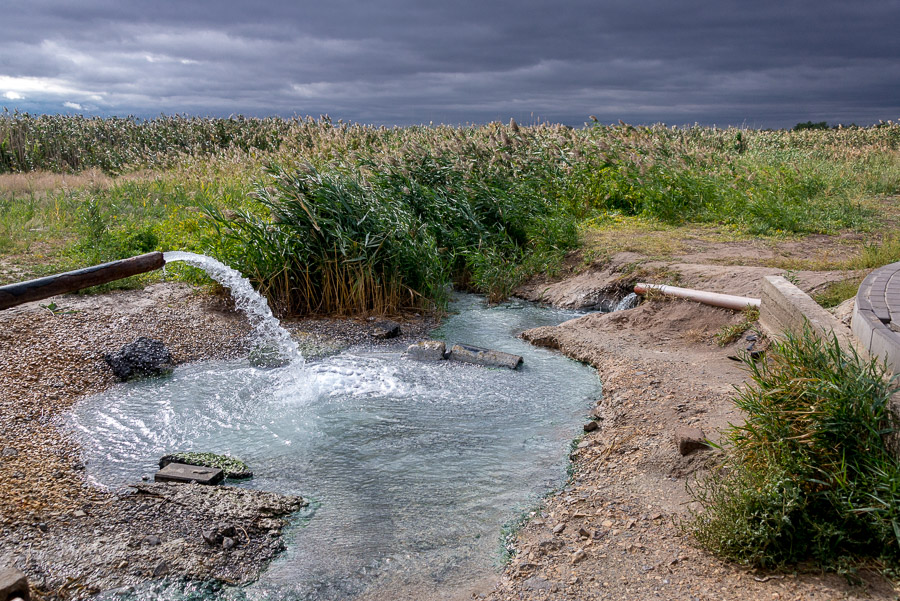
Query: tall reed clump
{"x": 809, "y": 475}
{"x": 389, "y": 233}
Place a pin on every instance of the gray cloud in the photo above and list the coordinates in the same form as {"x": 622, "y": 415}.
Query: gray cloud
{"x": 765, "y": 63}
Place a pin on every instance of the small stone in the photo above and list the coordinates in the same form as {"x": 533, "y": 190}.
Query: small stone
{"x": 559, "y": 528}
{"x": 227, "y": 531}
{"x": 689, "y": 439}
{"x": 161, "y": 569}
{"x": 386, "y": 329}
{"x": 42, "y": 527}
{"x": 143, "y": 357}
{"x": 151, "y": 540}
{"x": 79, "y": 513}
{"x": 211, "y": 537}
{"x": 227, "y": 543}
{"x": 584, "y": 532}
{"x": 607, "y": 523}
{"x": 9, "y": 452}
{"x": 591, "y": 426}
{"x": 578, "y": 556}
{"x": 13, "y": 584}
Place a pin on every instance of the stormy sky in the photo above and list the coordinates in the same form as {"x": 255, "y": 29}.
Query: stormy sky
{"x": 754, "y": 63}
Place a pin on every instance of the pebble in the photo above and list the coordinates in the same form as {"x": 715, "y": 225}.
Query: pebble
{"x": 161, "y": 569}
{"x": 559, "y": 528}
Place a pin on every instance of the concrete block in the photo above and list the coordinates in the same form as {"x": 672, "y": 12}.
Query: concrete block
{"x": 427, "y": 350}
{"x": 13, "y": 585}
{"x": 861, "y": 324}
{"x": 483, "y": 356}
{"x": 179, "y": 472}
{"x": 786, "y": 308}
{"x": 885, "y": 345}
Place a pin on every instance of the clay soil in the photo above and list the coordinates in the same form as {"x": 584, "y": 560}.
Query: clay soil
{"x": 612, "y": 533}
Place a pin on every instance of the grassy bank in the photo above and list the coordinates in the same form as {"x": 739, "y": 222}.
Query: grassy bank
{"x": 332, "y": 217}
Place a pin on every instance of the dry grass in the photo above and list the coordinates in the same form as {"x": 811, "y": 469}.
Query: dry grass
{"x": 39, "y": 183}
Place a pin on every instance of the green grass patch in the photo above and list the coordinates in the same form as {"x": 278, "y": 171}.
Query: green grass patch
{"x": 809, "y": 476}
{"x": 837, "y": 292}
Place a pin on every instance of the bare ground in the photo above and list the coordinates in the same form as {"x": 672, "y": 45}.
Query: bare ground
{"x": 614, "y": 532}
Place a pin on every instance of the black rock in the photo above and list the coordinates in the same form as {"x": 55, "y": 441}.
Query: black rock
{"x": 211, "y": 537}
{"x": 143, "y": 357}
{"x": 386, "y": 329}
{"x": 227, "y": 543}
{"x": 161, "y": 569}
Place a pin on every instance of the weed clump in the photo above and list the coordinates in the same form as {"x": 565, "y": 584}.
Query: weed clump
{"x": 809, "y": 476}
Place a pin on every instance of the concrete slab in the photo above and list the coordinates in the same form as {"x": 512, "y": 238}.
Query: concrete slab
{"x": 482, "y": 356}
{"x": 179, "y": 472}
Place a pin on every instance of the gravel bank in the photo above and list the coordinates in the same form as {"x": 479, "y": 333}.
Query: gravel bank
{"x": 72, "y": 539}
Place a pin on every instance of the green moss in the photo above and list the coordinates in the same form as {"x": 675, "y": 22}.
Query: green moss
{"x": 233, "y": 468}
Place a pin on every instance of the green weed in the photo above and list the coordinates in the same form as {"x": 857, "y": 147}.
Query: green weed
{"x": 729, "y": 334}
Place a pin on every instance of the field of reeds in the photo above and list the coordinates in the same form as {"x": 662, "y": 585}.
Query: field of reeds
{"x": 329, "y": 217}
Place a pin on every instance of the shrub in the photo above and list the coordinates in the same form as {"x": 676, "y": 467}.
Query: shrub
{"x": 809, "y": 475}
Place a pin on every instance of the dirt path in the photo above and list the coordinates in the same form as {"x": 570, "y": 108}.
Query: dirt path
{"x": 614, "y": 532}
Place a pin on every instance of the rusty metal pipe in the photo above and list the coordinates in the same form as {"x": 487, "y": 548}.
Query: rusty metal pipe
{"x": 61, "y": 283}
{"x": 726, "y": 301}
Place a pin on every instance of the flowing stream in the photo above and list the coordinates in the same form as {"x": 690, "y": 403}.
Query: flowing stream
{"x": 413, "y": 469}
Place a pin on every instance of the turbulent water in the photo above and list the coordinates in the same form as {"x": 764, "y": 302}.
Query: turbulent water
{"x": 272, "y": 343}
{"x": 413, "y": 468}
{"x": 630, "y": 301}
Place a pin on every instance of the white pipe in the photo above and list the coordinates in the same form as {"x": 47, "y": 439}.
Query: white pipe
{"x": 727, "y": 301}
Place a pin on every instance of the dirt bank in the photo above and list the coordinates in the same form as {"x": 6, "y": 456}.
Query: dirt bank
{"x": 614, "y": 532}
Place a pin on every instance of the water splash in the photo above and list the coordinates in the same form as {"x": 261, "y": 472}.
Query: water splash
{"x": 629, "y": 302}
{"x": 272, "y": 344}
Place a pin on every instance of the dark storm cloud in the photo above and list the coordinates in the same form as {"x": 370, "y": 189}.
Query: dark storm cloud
{"x": 404, "y": 61}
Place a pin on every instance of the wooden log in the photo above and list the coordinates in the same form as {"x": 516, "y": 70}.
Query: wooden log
{"x": 61, "y": 283}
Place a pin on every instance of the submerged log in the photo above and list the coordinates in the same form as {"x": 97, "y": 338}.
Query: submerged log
{"x": 61, "y": 283}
